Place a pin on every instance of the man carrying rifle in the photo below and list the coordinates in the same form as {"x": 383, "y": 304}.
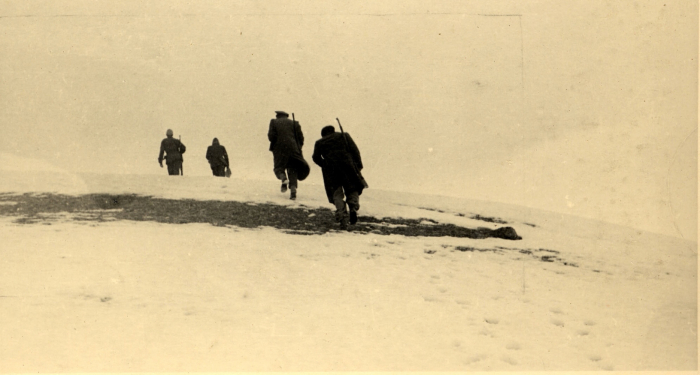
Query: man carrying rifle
{"x": 286, "y": 142}
{"x": 173, "y": 150}
{"x": 340, "y": 161}
{"x": 218, "y": 158}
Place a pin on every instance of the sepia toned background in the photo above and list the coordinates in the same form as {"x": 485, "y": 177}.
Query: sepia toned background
{"x": 583, "y": 109}
{"x": 578, "y": 107}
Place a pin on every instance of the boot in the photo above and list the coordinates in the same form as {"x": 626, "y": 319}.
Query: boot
{"x": 344, "y": 223}
{"x": 353, "y": 216}
{"x": 293, "y": 194}
{"x": 342, "y": 218}
{"x": 284, "y": 185}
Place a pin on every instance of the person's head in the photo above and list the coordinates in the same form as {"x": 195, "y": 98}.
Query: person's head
{"x": 328, "y": 129}
{"x": 281, "y": 114}
{"x": 169, "y": 133}
{"x": 215, "y": 142}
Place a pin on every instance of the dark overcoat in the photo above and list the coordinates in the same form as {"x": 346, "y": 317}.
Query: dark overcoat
{"x": 340, "y": 162}
{"x": 173, "y": 150}
{"x": 286, "y": 141}
{"x": 216, "y": 155}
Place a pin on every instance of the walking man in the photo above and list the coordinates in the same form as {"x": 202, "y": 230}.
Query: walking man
{"x": 173, "y": 150}
{"x": 218, "y": 158}
{"x": 286, "y": 141}
{"x": 340, "y": 161}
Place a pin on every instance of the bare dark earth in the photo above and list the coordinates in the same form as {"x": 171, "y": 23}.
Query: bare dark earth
{"x": 544, "y": 255}
{"x": 35, "y": 208}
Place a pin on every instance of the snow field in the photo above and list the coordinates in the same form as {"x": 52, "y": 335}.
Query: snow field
{"x": 117, "y": 296}
{"x": 151, "y": 297}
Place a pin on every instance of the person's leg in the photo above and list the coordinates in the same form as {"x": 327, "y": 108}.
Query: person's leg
{"x": 341, "y": 214}
{"x": 292, "y": 173}
{"x": 282, "y": 176}
{"x": 279, "y": 167}
{"x": 177, "y": 166}
{"x": 173, "y": 169}
{"x": 353, "y": 199}
{"x": 220, "y": 171}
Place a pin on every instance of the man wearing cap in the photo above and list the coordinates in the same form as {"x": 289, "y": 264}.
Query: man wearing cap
{"x": 218, "y": 158}
{"x": 339, "y": 159}
{"x": 173, "y": 150}
{"x": 286, "y": 141}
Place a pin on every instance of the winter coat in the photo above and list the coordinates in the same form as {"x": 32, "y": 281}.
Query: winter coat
{"x": 216, "y": 155}
{"x": 286, "y": 141}
{"x": 340, "y": 163}
{"x": 173, "y": 149}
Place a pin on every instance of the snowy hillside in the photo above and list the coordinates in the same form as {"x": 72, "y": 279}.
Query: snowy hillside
{"x": 154, "y": 273}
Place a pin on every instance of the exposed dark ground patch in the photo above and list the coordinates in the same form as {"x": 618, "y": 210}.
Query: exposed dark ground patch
{"x": 544, "y": 255}
{"x": 301, "y": 220}
{"x": 430, "y": 209}
{"x": 487, "y": 219}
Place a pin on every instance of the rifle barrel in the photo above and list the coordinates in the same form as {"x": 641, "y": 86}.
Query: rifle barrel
{"x": 341, "y": 126}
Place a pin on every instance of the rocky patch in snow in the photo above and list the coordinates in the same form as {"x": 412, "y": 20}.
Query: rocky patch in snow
{"x": 302, "y": 220}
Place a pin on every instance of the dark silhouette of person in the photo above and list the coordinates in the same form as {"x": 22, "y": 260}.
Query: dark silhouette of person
{"x": 173, "y": 150}
{"x": 341, "y": 163}
{"x": 218, "y": 158}
{"x": 286, "y": 141}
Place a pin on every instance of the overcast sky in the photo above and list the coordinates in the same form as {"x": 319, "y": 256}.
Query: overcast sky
{"x": 581, "y": 107}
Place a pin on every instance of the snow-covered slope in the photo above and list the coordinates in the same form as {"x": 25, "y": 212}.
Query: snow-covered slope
{"x": 78, "y": 294}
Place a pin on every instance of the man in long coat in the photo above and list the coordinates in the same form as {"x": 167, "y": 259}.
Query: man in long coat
{"x": 218, "y": 158}
{"x": 173, "y": 150}
{"x": 340, "y": 161}
{"x": 286, "y": 141}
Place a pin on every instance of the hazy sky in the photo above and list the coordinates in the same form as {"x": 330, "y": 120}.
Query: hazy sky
{"x": 581, "y": 107}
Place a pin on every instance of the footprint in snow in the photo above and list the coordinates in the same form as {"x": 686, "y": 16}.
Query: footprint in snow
{"x": 589, "y": 322}
{"x": 476, "y": 358}
{"x": 557, "y": 322}
{"x": 188, "y": 311}
{"x": 603, "y": 366}
{"x": 513, "y": 346}
{"x": 556, "y": 310}
{"x": 486, "y": 332}
{"x": 509, "y": 360}
{"x": 492, "y": 320}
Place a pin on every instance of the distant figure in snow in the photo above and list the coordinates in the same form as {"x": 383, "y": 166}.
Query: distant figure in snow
{"x": 340, "y": 161}
{"x": 173, "y": 149}
{"x": 286, "y": 141}
{"x": 218, "y": 158}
